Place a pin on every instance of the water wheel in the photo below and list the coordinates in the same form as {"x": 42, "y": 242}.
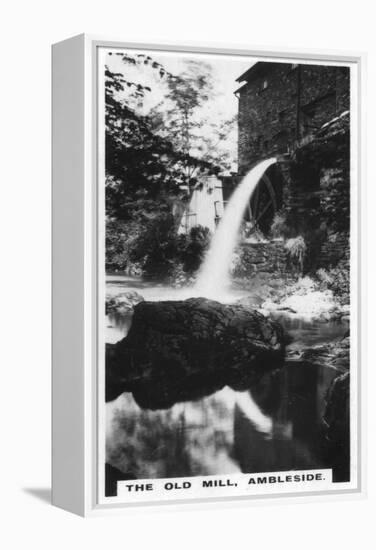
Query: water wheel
{"x": 263, "y": 205}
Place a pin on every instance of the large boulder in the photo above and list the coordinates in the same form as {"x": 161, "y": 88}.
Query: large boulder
{"x": 182, "y": 350}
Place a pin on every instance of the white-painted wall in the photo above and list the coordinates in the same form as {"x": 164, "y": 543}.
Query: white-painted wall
{"x": 206, "y": 203}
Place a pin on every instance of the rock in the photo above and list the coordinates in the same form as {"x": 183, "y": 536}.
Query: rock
{"x": 123, "y": 303}
{"x": 336, "y": 416}
{"x": 286, "y": 309}
{"x": 335, "y": 355}
{"x": 324, "y": 317}
{"x": 336, "y": 427}
{"x": 253, "y": 301}
{"x": 183, "y": 350}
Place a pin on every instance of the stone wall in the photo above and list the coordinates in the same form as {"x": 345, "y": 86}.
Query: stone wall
{"x": 262, "y": 258}
{"x": 281, "y": 103}
{"x": 320, "y": 187}
{"x": 335, "y": 250}
{"x": 271, "y": 257}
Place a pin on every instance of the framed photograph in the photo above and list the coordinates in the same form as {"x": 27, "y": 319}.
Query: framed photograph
{"x": 206, "y": 275}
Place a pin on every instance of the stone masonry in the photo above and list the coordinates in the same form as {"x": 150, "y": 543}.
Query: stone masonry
{"x": 282, "y": 103}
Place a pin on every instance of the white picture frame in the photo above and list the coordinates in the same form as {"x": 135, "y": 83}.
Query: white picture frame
{"x": 78, "y": 300}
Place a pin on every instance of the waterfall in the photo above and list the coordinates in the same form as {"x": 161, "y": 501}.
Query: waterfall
{"x": 214, "y": 275}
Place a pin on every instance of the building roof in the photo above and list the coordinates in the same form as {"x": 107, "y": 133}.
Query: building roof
{"x": 258, "y": 69}
{"x": 244, "y": 76}
{"x": 244, "y": 85}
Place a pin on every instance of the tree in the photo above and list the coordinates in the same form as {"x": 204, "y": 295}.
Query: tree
{"x": 138, "y": 165}
{"x": 150, "y": 169}
{"x": 181, "y": 119}
{"x": 144, "y": 170}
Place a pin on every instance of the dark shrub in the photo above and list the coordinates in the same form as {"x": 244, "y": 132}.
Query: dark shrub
{"x": 194, "y": 247}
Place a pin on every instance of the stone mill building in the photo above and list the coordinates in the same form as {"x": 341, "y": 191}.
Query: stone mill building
{"x": 280, "y": 104}
{"x": 301, "y": 115}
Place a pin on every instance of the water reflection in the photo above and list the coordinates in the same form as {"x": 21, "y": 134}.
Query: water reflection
{"x": 195, "y": 438}
{"x": 275, "y": 425}
{"x": 294, "y": 399}
{"x": 117, "y": 326}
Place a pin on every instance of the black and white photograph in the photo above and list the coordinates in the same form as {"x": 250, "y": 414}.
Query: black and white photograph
{"x": 227, "y": 255}
{"x": 188, "y": 275}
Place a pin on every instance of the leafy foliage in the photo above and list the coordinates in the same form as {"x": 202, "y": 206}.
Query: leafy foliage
{"x": 153, "y": 161}
{"x": 180, "y": 120}
{"x": 140, "y": 167}
{"x": 296, "y": 249}
{"x": 154, "y": 249}
{"x": 121, "y": 240}
{"x": 193, "y": 248}
{"x": 144, "y": 170}
{"x": 335, "y": 200}
{"x": 279, "y": 227}
{"x": 337, "y": 280}
{"x": 157, "y": 247}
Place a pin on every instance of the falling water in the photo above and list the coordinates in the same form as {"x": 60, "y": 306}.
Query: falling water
{"x": 214, "y": 276}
